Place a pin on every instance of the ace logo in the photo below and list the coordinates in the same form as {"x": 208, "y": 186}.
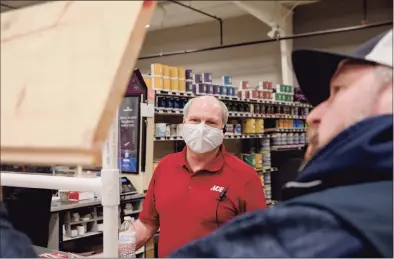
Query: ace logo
{"x": 216, "y": 188}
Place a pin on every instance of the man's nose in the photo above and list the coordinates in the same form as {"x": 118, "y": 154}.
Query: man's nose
{"x": 314, "y": 118}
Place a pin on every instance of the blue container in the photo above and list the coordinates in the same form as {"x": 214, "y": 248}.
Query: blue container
{"x": 189, "y": 87}
{"x": 216, "y": 89}
{"x": 233, "y": 91}
{"x": 228, "y": 90}
{"x": 189, "y": 74}
{"x": 197, "y": 78}
{"x": 206, "y": 77}
{"x": 227, "y": 80}
{"x": 222, "y": 90}
{"x": 209, "y": 88}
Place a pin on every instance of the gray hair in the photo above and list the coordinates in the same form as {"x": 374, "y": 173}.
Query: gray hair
{"x": 223, "y": 107}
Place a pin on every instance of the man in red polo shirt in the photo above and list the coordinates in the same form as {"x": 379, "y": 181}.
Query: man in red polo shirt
{"x": 195, "y": 191}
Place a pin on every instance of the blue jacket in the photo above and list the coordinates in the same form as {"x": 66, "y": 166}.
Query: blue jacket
{"x": 341, "y": 205}
{"x": 13, "y": 244}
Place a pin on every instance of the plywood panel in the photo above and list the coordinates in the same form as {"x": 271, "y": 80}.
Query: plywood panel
{"x": 64, "y": 68}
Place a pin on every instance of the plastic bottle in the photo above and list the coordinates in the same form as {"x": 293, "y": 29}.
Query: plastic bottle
{"x": 127, "y": 238}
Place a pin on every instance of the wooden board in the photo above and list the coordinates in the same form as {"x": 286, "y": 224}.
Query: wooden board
{"x": 65, "y": 66}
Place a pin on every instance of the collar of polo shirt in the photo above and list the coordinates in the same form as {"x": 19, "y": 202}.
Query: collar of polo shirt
{"x": 215, "y": 166}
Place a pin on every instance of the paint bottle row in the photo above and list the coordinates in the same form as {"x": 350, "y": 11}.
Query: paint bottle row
{"x": 279, "y": 139}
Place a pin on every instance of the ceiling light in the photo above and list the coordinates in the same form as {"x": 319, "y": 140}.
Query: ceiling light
{"x": 147, "y": 26}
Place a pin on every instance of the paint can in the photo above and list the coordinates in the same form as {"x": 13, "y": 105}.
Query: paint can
{"x": 222, "y": 90}
{"x": 249, "y": 126}
{"x": 173, "y": 130}
{"x": 259, "y": 126}
{"x": 209, "y": 88}
{"x": 160, "y": 130}
{"x": 251, "y": 108}
{"x": 156, "y": 69}
{"x": 249, "y": 159}
{"x": 201, "y": 88}
{"x": 206, "y": 77}
{"x": 181, "y": 73}
{"x": 168, "y": 130}
{"x": 228, "y": 91}
{"x": 238, "y": 129}
{"x": 216, "y": 90}
{"x": 259, "y": 160}
{"x": 161, "y": 101}
{"x": 169, "y": 102}
{"x": 157, "y": 82}
{"x": 166, "y": 71}
{"x": 229, "y": 129}
{"x": 189, "y": 86}
{"x": 226, "y": 80}
{"x": 197, "y": 78}
{"x": 182, "y": 85}
{"x": 166, "y": 83}
{"x": 176, "y": 103}
{"x": 284, "y": 139}
{"x": 189, "y": 74}
{"x": 174, "y": 84}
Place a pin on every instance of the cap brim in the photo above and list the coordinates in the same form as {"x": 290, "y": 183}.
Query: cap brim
{"x": 314, "y": 70}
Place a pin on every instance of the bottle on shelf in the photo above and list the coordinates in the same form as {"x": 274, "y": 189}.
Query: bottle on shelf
{"x": 127, "y": 238}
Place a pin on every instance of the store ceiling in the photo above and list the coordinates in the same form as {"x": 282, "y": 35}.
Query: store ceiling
{"x": 168, "y": 14}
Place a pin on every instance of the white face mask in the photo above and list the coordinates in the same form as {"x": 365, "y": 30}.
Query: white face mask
{"x": 201, "y": 138}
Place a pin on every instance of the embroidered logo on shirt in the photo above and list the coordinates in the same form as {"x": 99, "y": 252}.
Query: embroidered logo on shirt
{"x": 216, "y": 188}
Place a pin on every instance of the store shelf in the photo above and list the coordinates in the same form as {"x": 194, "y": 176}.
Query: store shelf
{"x": 285, "y": 130}
{"x": 287, "y": 147}
{"x": 267, "y": 170}
{"x": 179, "y": 112}
{"x": 131, "y": 212}
{"x": 243, "y": 136}
{"x": 82, "y": 222}
{"x": 231, "y": 98}
{"x": 89, "y": 234}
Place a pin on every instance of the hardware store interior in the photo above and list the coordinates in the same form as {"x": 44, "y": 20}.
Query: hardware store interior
{"x": 236, "y": 51}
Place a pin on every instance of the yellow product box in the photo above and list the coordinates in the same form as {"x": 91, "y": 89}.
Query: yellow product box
{"x": 173, "y": 72}
{"x": 166, "y": 71}
{"x": 181, "y": 73}
{"x": 166, "y": 83}
{"x": 182, "y": 85}
{"x": 157, "y": 82}
{"x": 156, "y": 69}
{"x": 174, "y": 84}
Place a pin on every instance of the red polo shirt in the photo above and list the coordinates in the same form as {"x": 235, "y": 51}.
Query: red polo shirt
{"x": 183, "y": 204}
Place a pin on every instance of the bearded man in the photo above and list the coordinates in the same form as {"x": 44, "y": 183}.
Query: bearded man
{"x": 341, "y": 204}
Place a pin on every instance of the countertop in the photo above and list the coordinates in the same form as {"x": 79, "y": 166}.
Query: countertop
{"x": 61, "y": 206}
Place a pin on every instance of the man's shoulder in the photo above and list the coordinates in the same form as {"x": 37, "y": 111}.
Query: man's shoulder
{"x": 171, "y": 159}
{"x": 282, "y": 231}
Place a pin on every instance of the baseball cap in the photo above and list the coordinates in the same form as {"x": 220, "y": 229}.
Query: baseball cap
{"x": 314, "y": 68}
